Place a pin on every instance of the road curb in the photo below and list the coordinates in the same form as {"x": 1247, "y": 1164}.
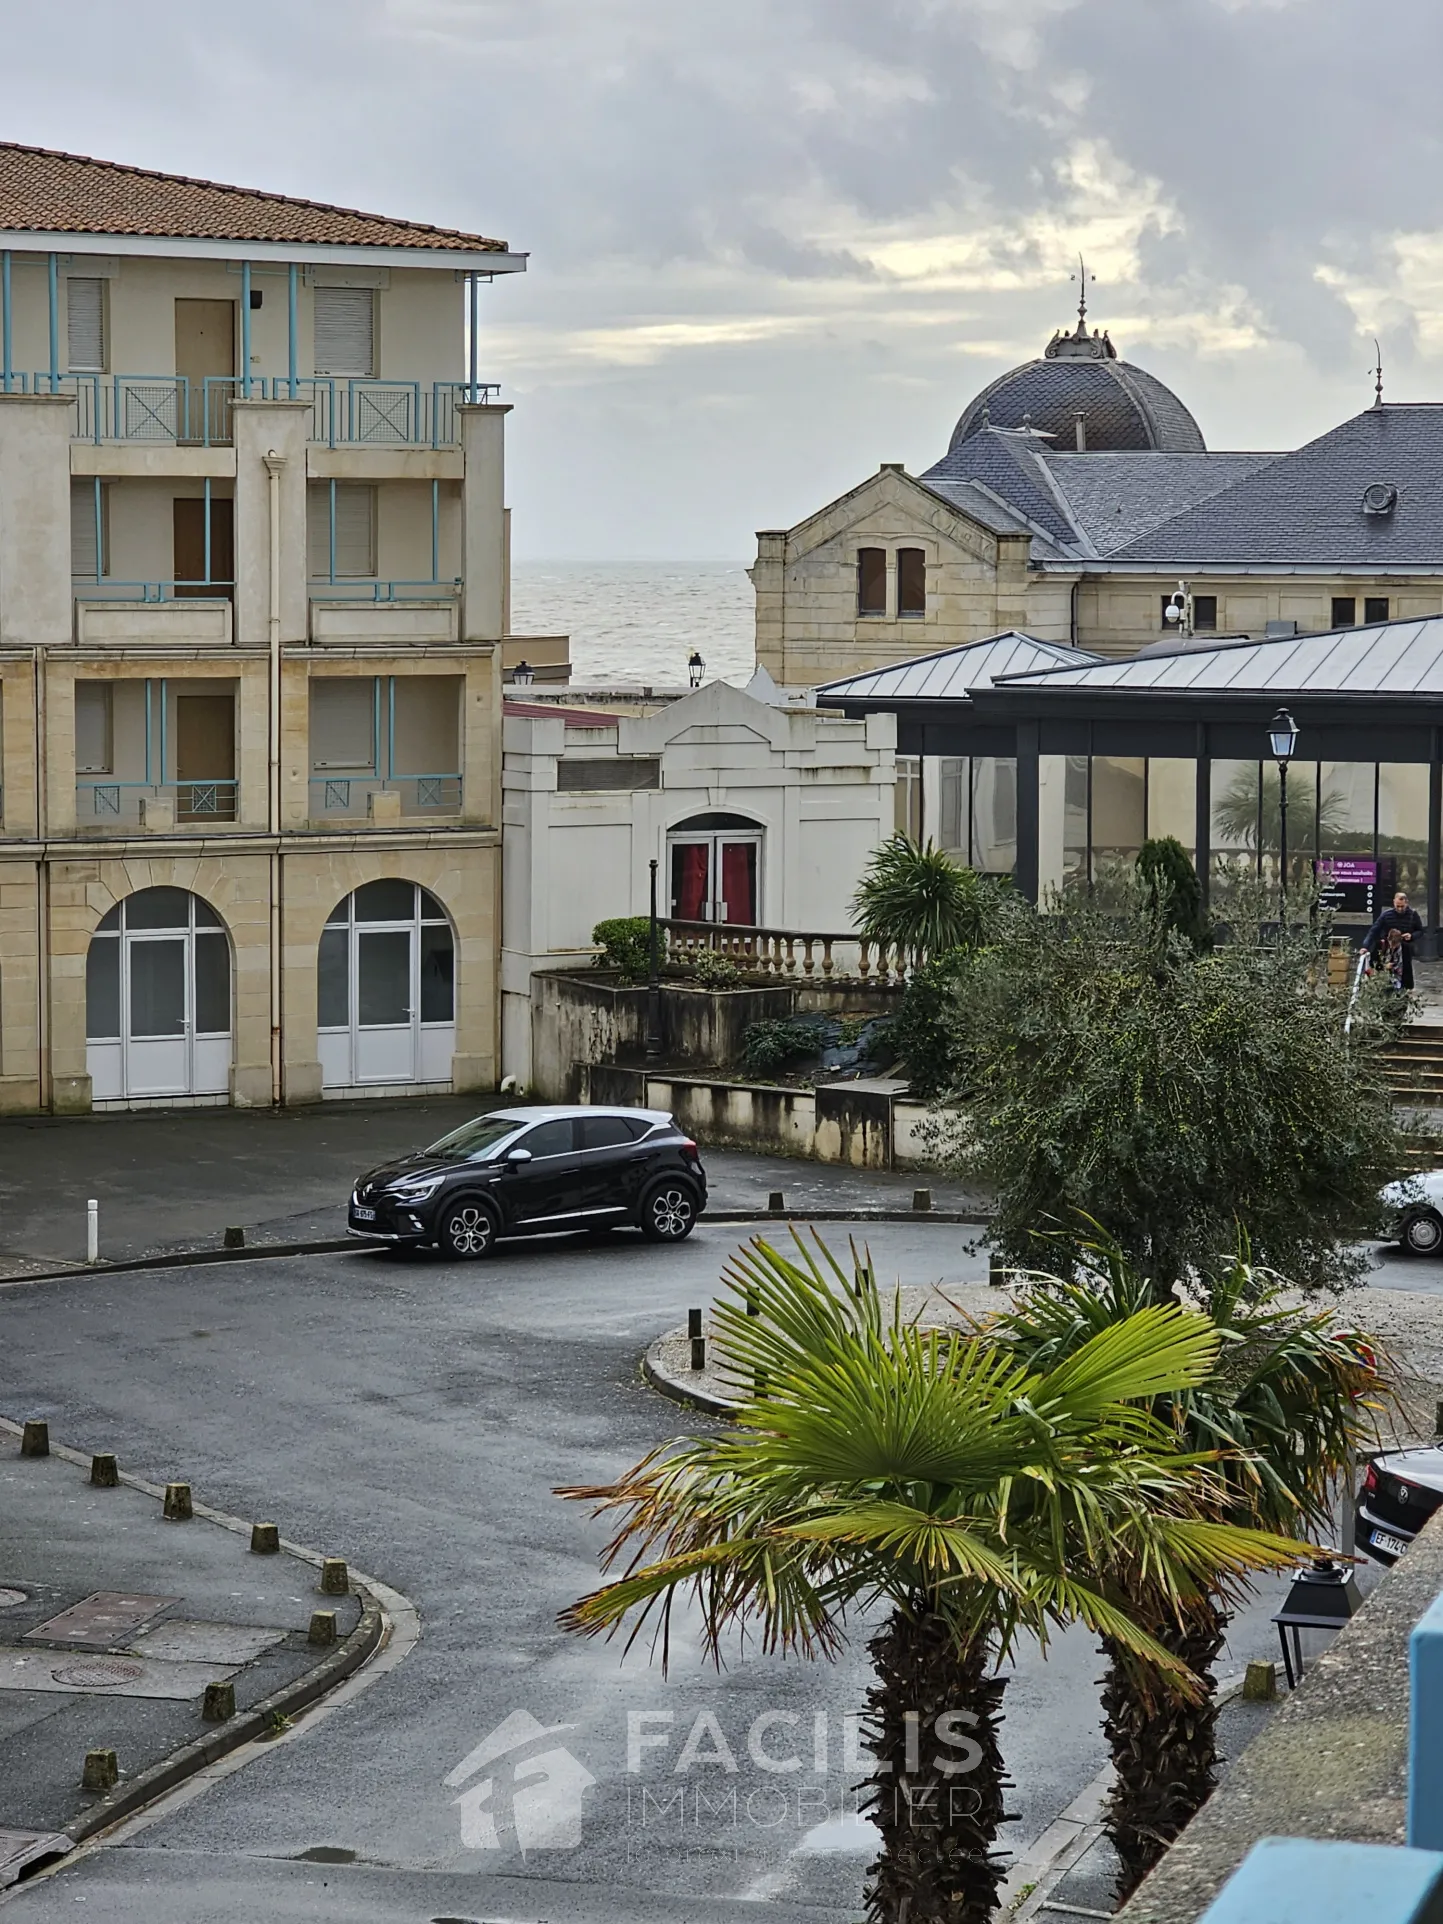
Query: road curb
{"x": 682, "y": 1393}
{"x": 260, "y": 1720}
{"x": 330, "y": 1246}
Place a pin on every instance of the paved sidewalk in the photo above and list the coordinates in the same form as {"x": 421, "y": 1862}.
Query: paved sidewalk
{"x": 113, "y": 1622}
{"x": 174, "y": 1180}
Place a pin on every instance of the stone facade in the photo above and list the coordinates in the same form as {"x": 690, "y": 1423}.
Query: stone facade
{"x": 352, "y": 719}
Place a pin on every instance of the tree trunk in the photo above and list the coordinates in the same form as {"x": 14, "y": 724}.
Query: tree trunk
{"x": 935, "y": 1795}
{"x": 1163, "y": 1748}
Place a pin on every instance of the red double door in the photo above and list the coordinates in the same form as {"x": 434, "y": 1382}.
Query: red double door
{"x": 714, "y": 877}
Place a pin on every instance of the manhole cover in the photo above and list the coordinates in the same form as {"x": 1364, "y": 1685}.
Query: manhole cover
{"x": 9, "y": 1598}
{"x": 98, "y": 1673}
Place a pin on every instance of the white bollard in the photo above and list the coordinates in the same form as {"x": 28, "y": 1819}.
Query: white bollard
{"x": 92, "y": 1231}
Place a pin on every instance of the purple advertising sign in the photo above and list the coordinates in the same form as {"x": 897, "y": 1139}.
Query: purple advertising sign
{"x": 1347, "y": 869}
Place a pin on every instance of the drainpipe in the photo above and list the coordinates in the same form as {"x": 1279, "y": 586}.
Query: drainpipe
{"x": 1072, "y": 623}
{"x": 274, "y": 464}
{"x": 45, "y": 1069}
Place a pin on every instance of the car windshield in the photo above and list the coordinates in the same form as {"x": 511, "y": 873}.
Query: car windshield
{"x": 475, "y": 1138}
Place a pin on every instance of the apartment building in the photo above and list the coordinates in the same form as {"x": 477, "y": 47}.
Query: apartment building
{"x": 252, "y": 597}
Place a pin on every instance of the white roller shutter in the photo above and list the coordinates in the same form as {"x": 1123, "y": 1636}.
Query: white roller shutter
{"x": 85, "y": 324}
{"x": 355, "y": 529}
{"x": 345, "y": 330}
{"x": 93, "y": 731}
{"x": 342, "y": 722}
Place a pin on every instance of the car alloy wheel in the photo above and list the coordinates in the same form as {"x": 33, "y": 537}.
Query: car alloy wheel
{"x": 669, "y": 1213}
{"x": 1423, "y": 1234}
{"x": 468, "y": 1230}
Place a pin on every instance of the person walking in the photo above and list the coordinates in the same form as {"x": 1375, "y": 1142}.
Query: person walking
{"x": 1407, "y": 923}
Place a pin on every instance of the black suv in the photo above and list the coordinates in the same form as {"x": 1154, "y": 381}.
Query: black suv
{"x": 527, "y": 1172}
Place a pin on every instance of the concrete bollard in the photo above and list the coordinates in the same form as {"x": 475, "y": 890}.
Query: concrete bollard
{"x": 101, "y": 1772}
{"x": 754, "y": 1301}
{"x": 92, "y": 1231}
{"x": 104, "y": 1470}
{"x": 1438, "y": 1420}
{"x": 218, "y": 1704}
{"x": 234, "y": 1239}
{"x": 265, "y": 1539}
{"x": 1260, "y": 1683}
{"x": 777, "y": 1202}
{"x": 178, "y": 1508}
{"x": 922, "y": 1199}
{"x": 996, "y": 1273}
{"x": 323, "y": 1627}
{"x": 35, "y": 1439}
{"x": 335, "y": 1578}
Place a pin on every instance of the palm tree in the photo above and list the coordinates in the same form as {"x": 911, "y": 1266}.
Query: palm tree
{"x": 914, "y": 897}
{"x": 932, "y": 1473}
{"x": 1292, "y": 1396}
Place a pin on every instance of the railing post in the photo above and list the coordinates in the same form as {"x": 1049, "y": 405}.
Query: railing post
{"x": 826, "y": 955}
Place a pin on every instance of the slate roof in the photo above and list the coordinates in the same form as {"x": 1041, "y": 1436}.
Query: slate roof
{"x": 1004, "y": 460}
{"x": 1306, "y": 507}
{"x": 43, "y": 191}
{"x": 953, "y": 673}
{"x": 1113, "y": 499}
{"x": 1123, "y": 407}
{"x": 1386, "y": 658}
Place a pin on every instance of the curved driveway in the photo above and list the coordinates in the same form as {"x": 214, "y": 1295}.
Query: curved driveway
{"x": 414, "y": 1417}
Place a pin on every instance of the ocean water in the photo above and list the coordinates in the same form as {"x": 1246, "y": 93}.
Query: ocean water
{"x": 639, "y": 620}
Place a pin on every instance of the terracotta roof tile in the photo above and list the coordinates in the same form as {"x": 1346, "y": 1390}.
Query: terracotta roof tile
{"x": 42, "y": 191}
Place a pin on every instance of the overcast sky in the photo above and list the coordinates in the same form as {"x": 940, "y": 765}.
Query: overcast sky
{"x": 776, "y": 242}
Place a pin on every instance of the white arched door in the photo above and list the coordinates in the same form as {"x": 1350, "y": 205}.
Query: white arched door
{"x": 386, "y": 989}
{"x": 158, "y": 1000}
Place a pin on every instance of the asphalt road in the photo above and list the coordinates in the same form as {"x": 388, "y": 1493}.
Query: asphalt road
{"x": 415, "y": 1416}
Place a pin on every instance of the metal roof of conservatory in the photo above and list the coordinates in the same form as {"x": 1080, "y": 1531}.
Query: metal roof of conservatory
{"x": 1385, "y": 658}
{"x": 955, "y": 672}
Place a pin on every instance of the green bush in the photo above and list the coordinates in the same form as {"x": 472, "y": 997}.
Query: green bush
{"x": 770, "y": 1046}
{"x": 928, "y": 1032}
{"x": 919, "y": 899}
{"x": 1173, "y": 892}
{"x": 625, "y": 944}
{"x": 713, "y": 970}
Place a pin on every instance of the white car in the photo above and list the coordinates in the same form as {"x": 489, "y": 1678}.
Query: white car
{"x": 1415, "y": 1210}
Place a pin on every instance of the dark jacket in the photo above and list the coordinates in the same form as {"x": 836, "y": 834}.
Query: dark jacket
{"x": 1409, "y": 922}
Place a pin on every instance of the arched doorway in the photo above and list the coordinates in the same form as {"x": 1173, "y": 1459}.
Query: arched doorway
{"x": 158, "y": 1000}
{"x": 714, "y": 863}
{"x": 386, "y": 989}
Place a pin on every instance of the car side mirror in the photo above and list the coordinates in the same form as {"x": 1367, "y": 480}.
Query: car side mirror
{"x": 515, "y": 1158}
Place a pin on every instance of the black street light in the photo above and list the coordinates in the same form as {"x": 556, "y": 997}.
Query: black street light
{"x": 695, "y": 668}
{"x": 653, "y": 982}
{"x": 1283, "y": 741}
{"x": 523, "y": 674}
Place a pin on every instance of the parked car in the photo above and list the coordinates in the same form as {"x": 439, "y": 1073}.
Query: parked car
{"x": 1401, "y": 1489}
{"x": 1415, "y": 1209}
{"x": 527, "y": 1172}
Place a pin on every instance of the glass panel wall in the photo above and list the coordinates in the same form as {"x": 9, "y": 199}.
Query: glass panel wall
{"x": 1061, "y": 821}
{"x": 993, "y": 831}
{"x": 1403, "y": 827}
{"x": 1119, "y": 812}
{"x": 1234, "y": 849}
{"x": 953, "y": 782}
{"x": 1172, "y": 800}
{"x": 908, "y": 797}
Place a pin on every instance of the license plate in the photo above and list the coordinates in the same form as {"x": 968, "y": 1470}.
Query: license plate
{"x": 1390, "y": 1546}
{"x": 364, "y": 1215}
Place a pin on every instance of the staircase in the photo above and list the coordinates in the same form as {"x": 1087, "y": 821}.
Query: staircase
{"x": 1413, "y": 1066}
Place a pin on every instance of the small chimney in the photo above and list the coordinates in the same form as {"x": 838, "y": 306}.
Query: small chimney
{"x": 1079, "y": 425}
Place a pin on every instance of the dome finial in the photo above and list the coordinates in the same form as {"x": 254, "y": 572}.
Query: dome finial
{"x": 1081, "y": 278}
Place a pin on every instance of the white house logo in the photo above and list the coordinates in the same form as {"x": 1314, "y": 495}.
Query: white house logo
{"x": 536, "y": 1795}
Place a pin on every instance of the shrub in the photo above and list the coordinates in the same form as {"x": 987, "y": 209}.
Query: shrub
{"x": 928, "y": 1031}
{"x": 713, "y": 970}
{"x": 917, "y": 898}
{"x": 625, "y": 944}
{"x": 1173, "y": 892}
{"x": 773, "y": 1045}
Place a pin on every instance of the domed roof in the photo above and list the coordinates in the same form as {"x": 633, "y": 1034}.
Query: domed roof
{"x": 1122, "y": 408}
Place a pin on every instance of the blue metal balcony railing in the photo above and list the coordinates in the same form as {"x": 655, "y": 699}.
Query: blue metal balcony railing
{"x": 172, "y": 410}
{"x": 337, "y": 797}
{"x": 115, "y": 804}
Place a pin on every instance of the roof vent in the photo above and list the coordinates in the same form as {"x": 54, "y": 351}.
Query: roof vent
{"x": 1380, "y": 498}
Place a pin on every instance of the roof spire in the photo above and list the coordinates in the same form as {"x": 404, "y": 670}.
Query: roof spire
{"x": 1377, "y": 372}
{"x": 1081, "y": 278}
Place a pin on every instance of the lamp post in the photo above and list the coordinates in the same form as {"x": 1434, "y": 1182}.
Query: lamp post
{"x": 1283, "y": 741}
{"x": 695, "y": 667}
{"x": 523, "y": 674}
{"x": 653, "y": 982}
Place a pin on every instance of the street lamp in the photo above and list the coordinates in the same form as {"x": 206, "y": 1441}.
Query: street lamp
{"x": 653, "y": 980}
{"x": 523, "y": 674}
{"x": 695, "y": 668}
{"x": 1283, "y": 741}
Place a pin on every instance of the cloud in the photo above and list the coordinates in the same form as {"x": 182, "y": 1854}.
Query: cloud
{"x": 775, "y": 241}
